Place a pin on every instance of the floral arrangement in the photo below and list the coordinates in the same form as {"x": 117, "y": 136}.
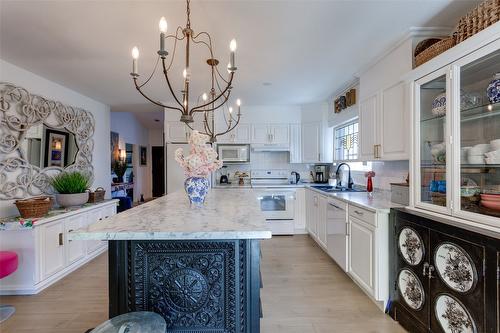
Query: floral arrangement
{"x": 370, "y": 174}
{"x": 202, "y": 159}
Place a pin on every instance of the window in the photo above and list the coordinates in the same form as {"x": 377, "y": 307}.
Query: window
{"x": 346, "y": 142}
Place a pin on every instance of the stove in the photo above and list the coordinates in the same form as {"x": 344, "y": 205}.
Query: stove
{"x": 269, "y": 178}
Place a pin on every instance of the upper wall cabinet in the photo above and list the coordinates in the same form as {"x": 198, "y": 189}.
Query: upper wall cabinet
{"x": 241, "y": 134}
{"x": 270, "y": 133}
{"x": 368, "y": 127}
{"x": 311, "y": 143}
{"x": 456, "y": 160}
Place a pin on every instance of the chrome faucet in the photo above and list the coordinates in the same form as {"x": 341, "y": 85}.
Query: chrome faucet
{"x": 350, "y": 182}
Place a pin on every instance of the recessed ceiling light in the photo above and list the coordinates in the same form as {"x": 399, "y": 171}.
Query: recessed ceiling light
{"x": 266, "y": 83}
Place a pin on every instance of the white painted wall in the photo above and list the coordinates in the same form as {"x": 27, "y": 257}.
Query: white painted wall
{"x": 51, "y": 90}
{"x": 131, "y": 131}
{"x": 155, "y": 137}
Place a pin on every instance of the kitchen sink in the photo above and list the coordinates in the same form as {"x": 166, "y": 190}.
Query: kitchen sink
{"x": 335, "y": 189}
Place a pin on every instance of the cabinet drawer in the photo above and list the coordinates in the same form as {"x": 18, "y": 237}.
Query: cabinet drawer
{"x": 363, "y": 215}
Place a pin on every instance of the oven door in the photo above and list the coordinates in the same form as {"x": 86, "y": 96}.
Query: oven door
{"x": 277, "y": 205}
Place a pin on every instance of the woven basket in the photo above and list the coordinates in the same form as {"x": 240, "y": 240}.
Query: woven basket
{"x": 34, "y": 207}
{"x": 97, "y": 195}
{"x": 479, "y": 18}
{"x": 434, "y": 50}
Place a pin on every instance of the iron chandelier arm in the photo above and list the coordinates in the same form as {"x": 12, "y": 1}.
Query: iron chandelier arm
{"x": 217, "y": 106}
{"x": 230, "y": 128}
{"x": 228, "y": 87}
{"x": 151, "y": 100}
{"x": 165, "y": 73}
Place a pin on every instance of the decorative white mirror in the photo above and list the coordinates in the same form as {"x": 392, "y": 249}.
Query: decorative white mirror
{"x": 39, "y": 138}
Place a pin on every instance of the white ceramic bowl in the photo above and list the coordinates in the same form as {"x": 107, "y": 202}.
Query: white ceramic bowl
{"x": 475, "y": 159}
{"x": 495, "y": 144}
{"x": 480, "y": 149}
{"x": 492, "y": 160}
{"x": 491, "y": 154}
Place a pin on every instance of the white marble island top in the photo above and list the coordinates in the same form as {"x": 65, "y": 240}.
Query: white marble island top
{"x": 231, "y": 214}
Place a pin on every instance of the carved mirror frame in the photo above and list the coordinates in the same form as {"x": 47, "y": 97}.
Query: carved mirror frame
{"x": 19, "y": 111}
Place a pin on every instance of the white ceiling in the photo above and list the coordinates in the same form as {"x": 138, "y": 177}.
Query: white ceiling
{"x": 306, "y": 49}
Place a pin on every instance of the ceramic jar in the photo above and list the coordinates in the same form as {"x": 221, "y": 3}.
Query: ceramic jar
{"x": 196, "y": 189}
{"x": 493, "y": 90}
{"x": 439, "y": 105}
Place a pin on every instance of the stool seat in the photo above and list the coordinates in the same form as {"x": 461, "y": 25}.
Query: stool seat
{"x": 8, "y": 263}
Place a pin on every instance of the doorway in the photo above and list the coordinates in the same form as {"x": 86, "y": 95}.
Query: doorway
{"x": 158, "y": 170}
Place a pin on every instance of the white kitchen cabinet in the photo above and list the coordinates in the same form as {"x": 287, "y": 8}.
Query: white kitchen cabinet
{"x": 241, "y": 134}
{"x": 45, "y": 252}
{"x": 75, "y": 250}
{"x": 93, "y": 217}
{"x": 368, "y": 128}
{"x": 311, "y": 212}
{"x": 311, "y": 142}
{"x": 337, "y": 232}
{"x": 361, "y": 254}
{"x": 279, "y": 133}
{"x": 270, "y": 133}
{"x": 394, "y": 122}
{"x": 295, "y": 143}
{"x": 321, "y": 220}
{"x": 300, "y": 211}
{"x": 53, "y": 251}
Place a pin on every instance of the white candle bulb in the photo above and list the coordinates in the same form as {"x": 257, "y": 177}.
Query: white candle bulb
{"x": 204, "y": 97}
{"x": 135, "y": 56}
{"x": 230, "y": 110}
{"x": 135, "y": 53}
{"x": 163, "y": 25}
{"x": 233, "y": 45}
{"x": 238, "y": 102}
{"x": 184, "y": 73}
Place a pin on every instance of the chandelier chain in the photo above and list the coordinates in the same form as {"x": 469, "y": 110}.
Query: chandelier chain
{"x": 188, "y": 11}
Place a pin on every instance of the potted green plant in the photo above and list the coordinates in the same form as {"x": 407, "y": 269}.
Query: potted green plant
{"x": 119, "y": 168}
{"x": 71, "y": 188}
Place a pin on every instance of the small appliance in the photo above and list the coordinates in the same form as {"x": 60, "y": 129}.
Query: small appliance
{"x": 321, "y": 173}
{"x": 234, "y": 153}
{"x": 224, "y": 175}
{"x": 295, "y": 177}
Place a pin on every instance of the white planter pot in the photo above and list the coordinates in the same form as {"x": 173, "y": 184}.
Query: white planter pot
{"x": 70, "y": 200}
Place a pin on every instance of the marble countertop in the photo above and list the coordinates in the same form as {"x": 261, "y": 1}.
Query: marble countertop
{"x": 380, "y": 201}
{"x": 231, "y": 214}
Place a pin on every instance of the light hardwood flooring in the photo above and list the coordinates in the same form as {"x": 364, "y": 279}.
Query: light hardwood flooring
{"x": 304, "y": 291}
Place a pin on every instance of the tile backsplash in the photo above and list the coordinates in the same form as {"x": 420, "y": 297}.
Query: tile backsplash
{"x": 385, "y": 173}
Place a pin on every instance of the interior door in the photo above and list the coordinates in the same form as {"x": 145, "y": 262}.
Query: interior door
{"x": 412, "y": 244}
{"x": 456, "y": 285}
{"x": 158, "y": 170}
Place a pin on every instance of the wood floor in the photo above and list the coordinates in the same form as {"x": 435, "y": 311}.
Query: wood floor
{"x": 304, "y": 291}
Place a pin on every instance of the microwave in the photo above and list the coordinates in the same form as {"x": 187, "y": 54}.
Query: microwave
{"x": 234, "y": 153}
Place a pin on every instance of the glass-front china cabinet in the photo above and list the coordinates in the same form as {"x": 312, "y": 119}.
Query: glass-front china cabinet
{"x": 457, "y": 138}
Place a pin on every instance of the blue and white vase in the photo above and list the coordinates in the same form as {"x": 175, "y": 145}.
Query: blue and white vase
{"x": 196, "y": 189}
{"x": 439, "y": 105}
{"x": 493, "y": 90}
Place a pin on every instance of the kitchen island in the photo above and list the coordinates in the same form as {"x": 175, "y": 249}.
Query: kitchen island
{"x": 198, "y": 267}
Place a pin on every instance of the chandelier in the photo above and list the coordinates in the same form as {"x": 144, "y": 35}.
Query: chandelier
{"x": 206, "y": 103}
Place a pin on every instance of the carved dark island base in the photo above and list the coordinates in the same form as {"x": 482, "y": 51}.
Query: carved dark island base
{"x": 196, "y": 285}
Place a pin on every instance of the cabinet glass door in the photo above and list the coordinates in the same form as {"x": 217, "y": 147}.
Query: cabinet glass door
{"x": 479, "y": 126}
{"x": 432, "y": 144}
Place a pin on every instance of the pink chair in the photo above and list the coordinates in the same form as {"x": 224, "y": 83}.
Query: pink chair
{"x": 8, "y": 265}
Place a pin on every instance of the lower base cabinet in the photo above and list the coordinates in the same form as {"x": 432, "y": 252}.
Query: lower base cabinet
{"x": 361, "y": 249}
{"x": 444, "y": 277}
{"x": 45, "y": 252}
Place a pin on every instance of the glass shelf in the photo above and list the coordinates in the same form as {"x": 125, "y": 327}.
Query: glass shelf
{"x": 480, "y": 112}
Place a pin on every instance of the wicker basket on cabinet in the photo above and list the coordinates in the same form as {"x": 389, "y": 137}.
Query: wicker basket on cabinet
{"x": 34, "y": 207}
{"x": 97, "y": 195}
{"x": 434, "y": 50}
{"x": 479, "y": 18}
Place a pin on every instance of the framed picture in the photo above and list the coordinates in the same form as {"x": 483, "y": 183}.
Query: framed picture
{"x": 115, "y": 152}
{"x": 56, "y": 148}
{"x": 144, "y": 153}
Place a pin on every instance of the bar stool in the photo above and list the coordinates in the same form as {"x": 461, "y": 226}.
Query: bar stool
{"x": 133, "y": 322}
{"x": 8, "y": 265}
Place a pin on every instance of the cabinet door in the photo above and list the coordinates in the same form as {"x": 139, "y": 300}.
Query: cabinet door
{"x": 394, "y": 136}
{"x": 53, "y": 248}
{"x": 295, "y": 149}
{"x": 94, "y": 217}
{"x": 309, "y": 208}
{"x": 361, "y": 254}
{"x": 314, "y": 215}
{"x": 176, "y": 132}
{"x": 75, "y": 249}
{"x": 322, "y": 205}
{"x": 242, "y": 133}
{"x": 311, "y": 149}
{"x": 280, "y": 134}
{"x": 367, "y": 127}
{"x": 260, "y": 133}
{"x": 457, "y": 285}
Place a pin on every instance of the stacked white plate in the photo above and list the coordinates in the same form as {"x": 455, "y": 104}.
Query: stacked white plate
{"x": 493, "y": 157}
{"x": 475, "y": 155}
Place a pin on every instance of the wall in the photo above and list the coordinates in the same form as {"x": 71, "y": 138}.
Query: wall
{"x": 131, "y": 131}
{"x": 41, "y": 86}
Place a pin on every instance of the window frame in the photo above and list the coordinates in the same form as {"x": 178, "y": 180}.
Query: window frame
{"x": 338, "y": 127}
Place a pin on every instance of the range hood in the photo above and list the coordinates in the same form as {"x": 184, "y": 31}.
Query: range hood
{"x": 270, "y": 147}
